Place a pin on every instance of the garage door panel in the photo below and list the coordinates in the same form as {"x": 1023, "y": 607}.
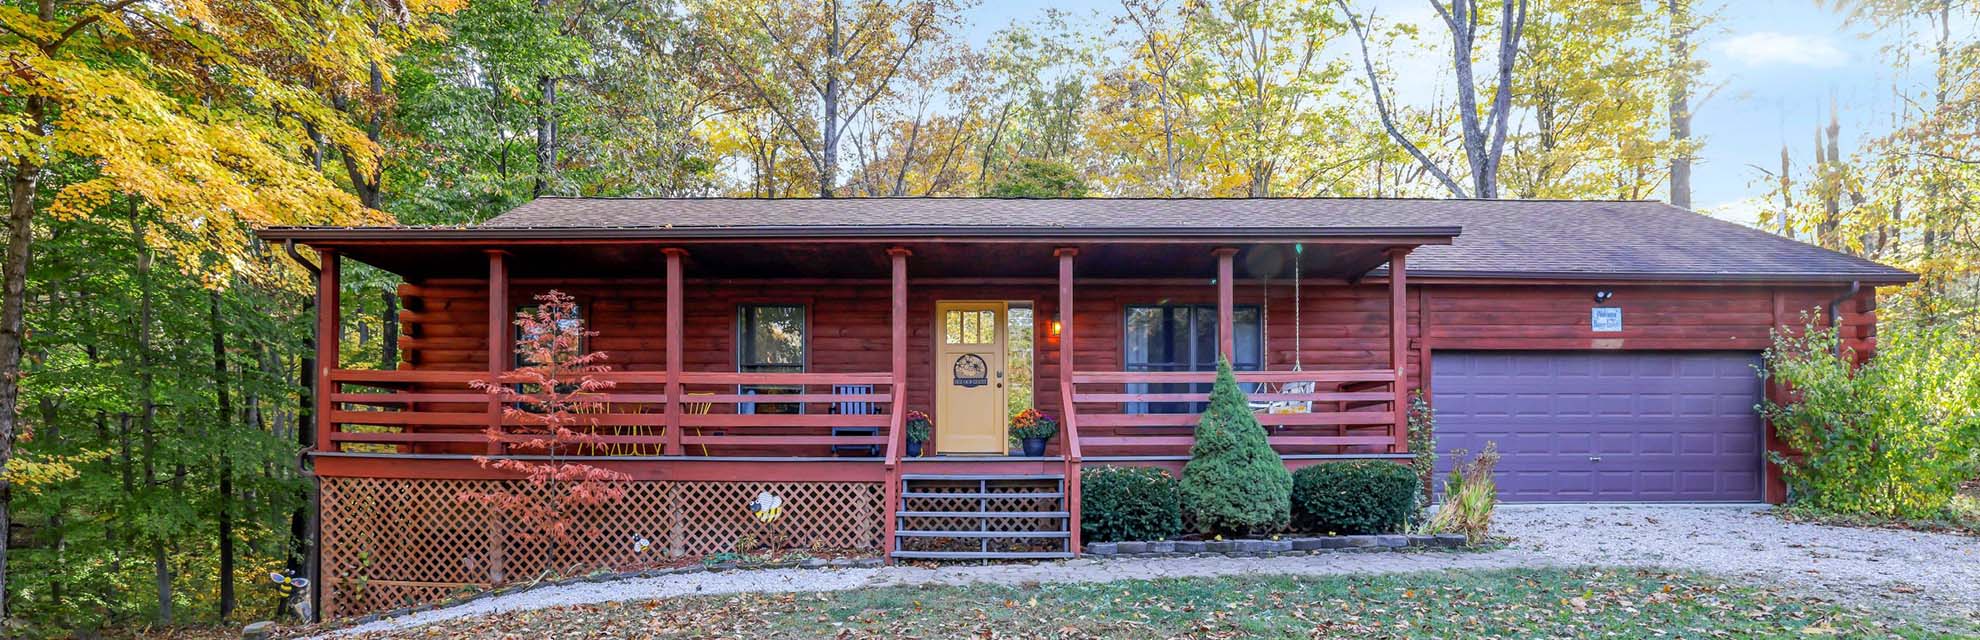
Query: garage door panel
{"x": 1606, "y": 426}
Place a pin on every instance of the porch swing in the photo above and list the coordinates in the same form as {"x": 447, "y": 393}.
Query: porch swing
{"x": 1305, "y": 387}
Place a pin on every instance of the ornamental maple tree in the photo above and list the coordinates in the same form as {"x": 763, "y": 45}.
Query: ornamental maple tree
{"x": 553, "y": 399}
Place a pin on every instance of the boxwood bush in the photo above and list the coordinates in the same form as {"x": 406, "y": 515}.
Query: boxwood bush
{"x": 1128, "y": 503}
{"x": 1350, "y": 498}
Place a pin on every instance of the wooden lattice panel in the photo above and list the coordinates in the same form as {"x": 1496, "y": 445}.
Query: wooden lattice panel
{"x": 390, "y": 543}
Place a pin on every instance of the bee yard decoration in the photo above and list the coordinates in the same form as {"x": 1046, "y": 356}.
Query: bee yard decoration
{"x": 767, "y": 507}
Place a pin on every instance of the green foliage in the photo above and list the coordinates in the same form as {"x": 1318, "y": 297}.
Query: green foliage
{"x": 1423, "y": 444}
{"x": 1351, "y": 498}
{"x": 1039, "y": 179}
{"x": 1470, "y": 496}
{"x": 1032, "y": 423}
{"x": 1234, "y": 483}
{"x": 1893, "y": 438}
{"x": 919, "y": 427}
{"x": 1129, "y": 503}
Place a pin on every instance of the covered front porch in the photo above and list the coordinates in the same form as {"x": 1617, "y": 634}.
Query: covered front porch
{"x": 760, "y": 351}
{"x": 789, "y": 366}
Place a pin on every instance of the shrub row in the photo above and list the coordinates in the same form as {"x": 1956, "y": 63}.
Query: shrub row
{"x": 1343, "y": 498}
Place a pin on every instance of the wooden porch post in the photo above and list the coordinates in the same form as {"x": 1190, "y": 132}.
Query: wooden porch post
{"x": 1070, "y": 447}
{"x": 897, "y": 257}
{"x": 1226, "y": 316}
{"x": 1399, "y": 346}
{"x": 897, "y": 343}
{"x": 329, "y": 330}
{"x": 676, "y": 326}
{"x": 500, "y": 348}
{"x": 1065, "y": 255}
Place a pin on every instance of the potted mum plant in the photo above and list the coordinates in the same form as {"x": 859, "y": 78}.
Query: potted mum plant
{"x": 1032, "y": 428}
{"x": 919, "y": 428}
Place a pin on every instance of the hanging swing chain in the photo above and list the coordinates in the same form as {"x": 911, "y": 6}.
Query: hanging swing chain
{"x": 1297, "y": 303}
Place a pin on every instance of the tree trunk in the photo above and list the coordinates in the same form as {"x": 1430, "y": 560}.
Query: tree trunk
{"x": 21, "y": 189}
{"x": 389, "y": 349}
{"x": 224, "y": 421}
{"x": 148, "y": 411}
{"x": 546, "y": 123}
{"x": 1680, "y": 101}
{"x": 828, "y": 158}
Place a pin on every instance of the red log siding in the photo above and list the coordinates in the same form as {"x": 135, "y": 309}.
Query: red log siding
{"x": 1344, "y": 327}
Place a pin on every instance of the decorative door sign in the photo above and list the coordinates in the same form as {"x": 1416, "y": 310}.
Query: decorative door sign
{"x": 971, "y": 371}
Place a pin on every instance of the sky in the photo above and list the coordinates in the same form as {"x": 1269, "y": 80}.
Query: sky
{"x": 1775, "y": 68}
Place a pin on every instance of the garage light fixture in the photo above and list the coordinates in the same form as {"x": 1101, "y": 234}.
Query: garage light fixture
{"x": 1603, "y": 295}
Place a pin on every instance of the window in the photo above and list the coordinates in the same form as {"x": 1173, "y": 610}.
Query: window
{"x": 1168, "y": 337}
{"x": 1019, "y": 350}
{"x": 519, "y": 333}
{"x": 771, "y": 338}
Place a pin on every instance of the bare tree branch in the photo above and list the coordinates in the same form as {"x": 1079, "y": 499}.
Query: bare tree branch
{"x": 1388, "y": 119}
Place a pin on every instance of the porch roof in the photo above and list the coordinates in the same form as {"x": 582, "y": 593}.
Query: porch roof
{"x": 1509, "y": 239}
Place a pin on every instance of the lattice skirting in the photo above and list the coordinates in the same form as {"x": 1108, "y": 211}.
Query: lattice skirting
{"x": 390, "y": 543}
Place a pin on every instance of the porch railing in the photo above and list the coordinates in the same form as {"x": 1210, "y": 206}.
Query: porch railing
{"x": 1348, "y": 411}
{"x": 721, "y": 414}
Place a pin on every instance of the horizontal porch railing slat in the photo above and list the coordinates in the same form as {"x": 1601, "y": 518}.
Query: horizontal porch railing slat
{"x": 1343, "y": 375}
{"x": 1187, "y": 441}
{"x": 1364, "y": 396}
{"x": 785, "y": 440}
{"x": 784, "y": 420}
{"x": 1311, "y": 419}
{"x": 722, "y": 377}
{"x": 783, "y": 398}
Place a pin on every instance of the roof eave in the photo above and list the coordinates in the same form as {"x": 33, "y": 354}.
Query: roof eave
{"x": 1891, "y": 278}
{"x": 1408, "y": 235}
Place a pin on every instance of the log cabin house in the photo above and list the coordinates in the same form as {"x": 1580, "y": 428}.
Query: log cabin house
{"x": 1608, "y": 348}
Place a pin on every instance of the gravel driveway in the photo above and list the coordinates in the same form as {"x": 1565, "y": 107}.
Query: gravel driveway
{"x": 1878, "y": 566}
{"x": 1912, "y": 570}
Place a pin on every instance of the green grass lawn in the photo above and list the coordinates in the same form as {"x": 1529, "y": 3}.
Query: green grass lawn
{"x": 1589, "y": 603}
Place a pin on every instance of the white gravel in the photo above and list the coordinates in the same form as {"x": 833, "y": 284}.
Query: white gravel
{"x": 1937, "y": 572}
{"x": 1934, "y": 571}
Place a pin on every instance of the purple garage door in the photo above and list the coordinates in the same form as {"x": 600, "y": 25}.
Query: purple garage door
{"x": 1605, "y": 426}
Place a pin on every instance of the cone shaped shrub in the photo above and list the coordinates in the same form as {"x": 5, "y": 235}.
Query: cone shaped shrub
{"x": 1234, "y": 483}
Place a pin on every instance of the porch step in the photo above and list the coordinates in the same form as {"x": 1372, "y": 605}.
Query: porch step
{"x": 984, "y": 514}
{"x": 982, "y": 555}
{"x": 980, "y": 477}
{"x": 949, "y": 516}
{"x": 983, "y": 534}
{"x": 993, "y": 496}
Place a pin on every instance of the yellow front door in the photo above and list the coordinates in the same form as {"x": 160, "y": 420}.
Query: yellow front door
{"x": 969, "y": 377}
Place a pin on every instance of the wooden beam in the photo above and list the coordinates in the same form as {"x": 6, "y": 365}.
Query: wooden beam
{"x": 1399, "y": 345}
{"x": 1226, "y": 316}
{"x": 676, "y": 327}
{"x": 500, "y": 347}
{"x": 1071, "y": 438}
{"x": 1065, "y": 255}
{"x": 329, "y": 330}
{"x": 897, "y": 343}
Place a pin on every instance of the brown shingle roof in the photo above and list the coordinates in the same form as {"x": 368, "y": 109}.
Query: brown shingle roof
{"x": 1511, "y": 238}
